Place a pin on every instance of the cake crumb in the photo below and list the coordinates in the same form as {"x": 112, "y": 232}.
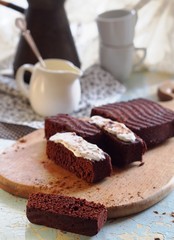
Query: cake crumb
{"x": 22, "y": 140}
{"x": 139, "y": 195}
{"x": 172, "y": 214}
{"x": 141, "y": 164}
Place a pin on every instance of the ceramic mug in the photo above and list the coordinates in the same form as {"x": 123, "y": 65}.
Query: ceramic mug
{"x": 120, "y": 61}
{"x": 117, "y": 27}
{"x": 52, "y": 90}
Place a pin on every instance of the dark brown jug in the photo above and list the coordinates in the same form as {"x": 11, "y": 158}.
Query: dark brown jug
{"x": 49, "y": 26}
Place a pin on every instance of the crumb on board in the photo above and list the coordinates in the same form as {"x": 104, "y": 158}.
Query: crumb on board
{"x": 22, "y": 140}
{"x": 141, "y": 164}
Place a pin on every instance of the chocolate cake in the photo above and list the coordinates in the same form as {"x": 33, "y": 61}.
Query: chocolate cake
{"x": 149, "y": 120}
{"x": 80, "y": 157}
{"x": 67, "y": 123}
{"x": 119, "y": 142}
{"x": 66, "y": 213}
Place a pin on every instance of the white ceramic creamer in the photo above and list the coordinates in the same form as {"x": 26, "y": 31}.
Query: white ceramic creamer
{"x": 53, "y": 89}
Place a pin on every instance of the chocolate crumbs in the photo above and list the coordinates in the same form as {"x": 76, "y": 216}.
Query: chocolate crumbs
{"x": 141, "y": 164}
{"x": 139, "y": 195}
{"x": 22, "y": 140}
{"x": 172, "y": 214}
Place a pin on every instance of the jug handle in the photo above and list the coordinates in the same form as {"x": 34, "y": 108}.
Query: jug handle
{"x": 23, "y": 87}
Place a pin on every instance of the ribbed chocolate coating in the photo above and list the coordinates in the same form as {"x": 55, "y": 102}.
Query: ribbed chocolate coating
{"x": 149, "y": 120}
{"x": 67, "y": 123}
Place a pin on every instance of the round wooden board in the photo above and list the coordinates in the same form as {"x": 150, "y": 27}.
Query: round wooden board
{"x": 24, "y": 168}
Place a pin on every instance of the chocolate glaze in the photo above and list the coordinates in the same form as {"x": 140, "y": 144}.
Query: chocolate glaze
{"x": 67, "y": 123}
{"x": 150, "y": 121}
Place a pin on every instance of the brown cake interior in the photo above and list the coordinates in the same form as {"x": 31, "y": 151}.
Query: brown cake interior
{"x": 66, "y": 213}
{"x": 90, "y": 171}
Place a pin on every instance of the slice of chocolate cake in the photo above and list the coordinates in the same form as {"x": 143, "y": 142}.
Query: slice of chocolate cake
{"x": 80, "y": 157}
{"x": 119, "y": 142}
{"x": 67, "y": 123}
{"x": 149, "y": 120}
{"x": 66, "y": 213}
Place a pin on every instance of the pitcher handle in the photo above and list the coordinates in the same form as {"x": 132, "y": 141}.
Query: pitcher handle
{"x": 23, "y": 87}
{"x": 141, "y": 60}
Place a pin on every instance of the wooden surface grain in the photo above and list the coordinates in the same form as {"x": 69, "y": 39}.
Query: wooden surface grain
{"x": 25, "y": 168}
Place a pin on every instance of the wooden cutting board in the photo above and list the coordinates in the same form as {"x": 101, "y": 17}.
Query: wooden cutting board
{"x": 24, "y": 168}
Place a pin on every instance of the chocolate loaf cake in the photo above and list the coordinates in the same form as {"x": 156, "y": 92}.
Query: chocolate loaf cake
{"x": 80, "y": 157}
{"x": 67, "y": 123}
{"x": 119, "y": 142}
{"x": 66, "y": 213}
{"x": 149, "y": 120}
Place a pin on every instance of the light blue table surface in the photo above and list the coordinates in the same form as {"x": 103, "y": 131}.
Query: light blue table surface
{"x": 155, "y": 223}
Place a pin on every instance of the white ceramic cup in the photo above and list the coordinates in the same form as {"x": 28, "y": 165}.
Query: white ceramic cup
{"x": 120, "y": 61}
{"x": 52, "y": 90}
{"x": 117, "y": 27}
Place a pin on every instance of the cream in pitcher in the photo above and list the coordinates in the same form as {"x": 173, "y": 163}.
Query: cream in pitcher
{"x": 52, "y": 89}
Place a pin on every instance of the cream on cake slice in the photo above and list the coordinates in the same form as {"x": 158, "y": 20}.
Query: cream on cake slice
{"x": 122, "y": 144}
{"x": 84, "y": 159}
{"x": 116, "y": 128}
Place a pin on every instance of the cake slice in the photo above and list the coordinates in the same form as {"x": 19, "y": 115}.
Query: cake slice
{"x": 84, "y": 159}
{"x": 148, "y": 119}
{"x": 66, "y": 213}
{"x": 67, "y": 123}
{"x": 119, "y": 142}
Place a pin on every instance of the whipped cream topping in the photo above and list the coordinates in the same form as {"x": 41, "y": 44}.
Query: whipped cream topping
{"x": 115, "y": 128}
{"x": 79, "y": 146}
